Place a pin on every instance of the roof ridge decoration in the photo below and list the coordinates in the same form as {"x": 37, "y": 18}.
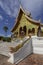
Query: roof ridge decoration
{"x": 25, "y": 12}
{"x": 28, "y": 16}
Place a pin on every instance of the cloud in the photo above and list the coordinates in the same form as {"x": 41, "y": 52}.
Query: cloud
{"x": 6, "y": 23}
{"x": 9, "y": 6}
{"x": 9, "y": 35}
{"x": 1, "y": 18}
{"x": 33, "y": 6}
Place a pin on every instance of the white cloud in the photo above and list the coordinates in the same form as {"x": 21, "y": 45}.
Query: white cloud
{"x": 1, "y": 18}
{"x": 9, "y": 35}
{"x": 9, "y": 6}
{"x": 6, "y": 23}
{"x": 6, "y": 19}
{"x": 1, "y": 34}
{"x": 33, "y": 6}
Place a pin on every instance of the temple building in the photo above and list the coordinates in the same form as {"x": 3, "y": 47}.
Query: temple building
{"x": 25, "y": 25}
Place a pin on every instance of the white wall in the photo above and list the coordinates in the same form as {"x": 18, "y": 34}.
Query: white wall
{"x": 37, "y": 43}
{"x": 23, "y": 52}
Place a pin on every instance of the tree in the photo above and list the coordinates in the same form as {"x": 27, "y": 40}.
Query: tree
{"x": 5, "y": 28}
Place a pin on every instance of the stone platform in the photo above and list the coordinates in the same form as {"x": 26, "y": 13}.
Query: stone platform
{"x": 33, "y": 59}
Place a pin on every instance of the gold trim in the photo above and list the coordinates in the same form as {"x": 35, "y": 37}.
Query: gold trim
{"x": 27, "y": 16}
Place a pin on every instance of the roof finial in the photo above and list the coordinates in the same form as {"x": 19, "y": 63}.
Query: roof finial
{"x": 39, "y": 20}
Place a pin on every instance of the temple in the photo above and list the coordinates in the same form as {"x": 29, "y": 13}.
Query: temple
{"x": 25, "y": 25}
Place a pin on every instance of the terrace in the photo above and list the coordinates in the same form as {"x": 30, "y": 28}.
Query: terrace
{"x": 28, "y": 54}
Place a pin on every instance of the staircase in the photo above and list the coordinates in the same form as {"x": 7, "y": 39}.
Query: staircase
{"x": 4, "y": 46}
{"x": 32, "y": 45}
{"x": 22, "y": 52}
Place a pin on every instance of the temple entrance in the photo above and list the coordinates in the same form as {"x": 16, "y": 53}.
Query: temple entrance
{"x": 33, "y": 31}
{"x": 22, "y": 31}
{"x": 25, "y": 30}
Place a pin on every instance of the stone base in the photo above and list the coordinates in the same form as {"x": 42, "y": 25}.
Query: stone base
{"x": 37, "y": 43}
{"x": 21, "y": 53}
{"x": 11, "y": 59}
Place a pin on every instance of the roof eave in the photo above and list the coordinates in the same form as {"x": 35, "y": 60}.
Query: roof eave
{"x": 29, "y": 18}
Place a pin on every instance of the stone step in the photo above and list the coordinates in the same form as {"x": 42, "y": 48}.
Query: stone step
{"x": 4, "y": 46}
{"x": 38, "y": 45}
{"x": 38, "y": 50}
{"x": 21, "y": 53}
{"x": 25, "y": 51}
{"x": 4, "y": 53}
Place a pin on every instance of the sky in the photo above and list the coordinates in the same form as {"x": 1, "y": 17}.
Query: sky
{"x": 8, "y": 13}
{"x": 35, "y": 7}
{"x": 9, "y": 10}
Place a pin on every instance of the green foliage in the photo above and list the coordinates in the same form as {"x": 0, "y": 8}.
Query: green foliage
{"x": 5, "y": 28}
{"x": 7, "y": 39}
